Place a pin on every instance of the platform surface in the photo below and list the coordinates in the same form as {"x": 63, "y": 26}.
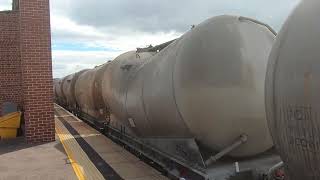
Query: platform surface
{"x": 79, "y": 152}
{"x": 20, "y": 161}
{"x": 96, "y": 156}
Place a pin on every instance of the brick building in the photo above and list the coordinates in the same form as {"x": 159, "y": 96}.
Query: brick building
{"x": 26, "y": 66}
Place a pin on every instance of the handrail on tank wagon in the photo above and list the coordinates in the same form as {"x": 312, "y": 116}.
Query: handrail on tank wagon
{"x": 155, "y": 48}
{"x": 259, "y": 22}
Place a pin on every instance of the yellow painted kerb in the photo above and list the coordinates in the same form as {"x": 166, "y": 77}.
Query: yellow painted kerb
{"x": 76, "y": 167}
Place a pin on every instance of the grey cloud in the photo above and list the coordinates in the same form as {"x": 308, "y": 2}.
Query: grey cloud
{"x": 60, "y": 35}
{"x": 58, "y": 66}
{"x": 168, "y": 15}
{"x": 117, "y": 20}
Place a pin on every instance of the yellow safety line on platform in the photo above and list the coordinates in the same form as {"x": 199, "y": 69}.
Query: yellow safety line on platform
{"x": 82, "y": 165}
{"x": 75, "y": 165}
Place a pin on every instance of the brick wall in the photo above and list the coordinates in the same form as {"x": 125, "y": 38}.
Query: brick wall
{"x": 25, "y": 66}
{"x": 36, "y": 70}
{"x": 10, "y": 71}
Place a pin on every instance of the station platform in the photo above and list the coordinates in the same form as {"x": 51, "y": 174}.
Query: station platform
{"x": 22, "y": 161}
{"x": 94, "y": 156}
{"x": 79, "y": 152}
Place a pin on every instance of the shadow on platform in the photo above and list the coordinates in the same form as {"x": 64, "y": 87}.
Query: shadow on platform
{"x": 12, "y": 145}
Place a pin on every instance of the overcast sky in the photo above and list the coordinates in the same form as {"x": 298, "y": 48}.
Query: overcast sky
{"x": 86, "y": 33}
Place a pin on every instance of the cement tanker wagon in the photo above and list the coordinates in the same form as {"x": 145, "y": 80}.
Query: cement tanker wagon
{"x": 84, "y": 93}
{"x": 208, "y": 84}
{"x": 58, "y": 92}
{"x": 293, "y": 92}
{"x": 68, "y": 90}
{"x": 55, "y": 84}
{"x": 115, "y": 80}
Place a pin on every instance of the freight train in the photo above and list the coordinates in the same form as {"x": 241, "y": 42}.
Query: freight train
{"x": 198, "y": 100}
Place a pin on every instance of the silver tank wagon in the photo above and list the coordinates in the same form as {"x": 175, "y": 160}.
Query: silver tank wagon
{"x": 208, "y": 84}
{"x": 293, "y": 92}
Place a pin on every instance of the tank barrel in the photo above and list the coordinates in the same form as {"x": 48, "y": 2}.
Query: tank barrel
{"x": 292, "y": 92}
